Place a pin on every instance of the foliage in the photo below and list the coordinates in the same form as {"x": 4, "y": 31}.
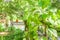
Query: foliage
{"x": 37, "y": 15}
{"x": 16, "y": 34}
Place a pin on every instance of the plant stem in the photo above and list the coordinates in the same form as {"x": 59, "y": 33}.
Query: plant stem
{"x": 26, "y": 29}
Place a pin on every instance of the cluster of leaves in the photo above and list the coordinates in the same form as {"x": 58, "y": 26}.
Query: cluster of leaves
{"x": 34, "y": 13}
{"x": 55, "y": 3}
{"x": 1, "y": 28}
{"x": 14, "y": 34}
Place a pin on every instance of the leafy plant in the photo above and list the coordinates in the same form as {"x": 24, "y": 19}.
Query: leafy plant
{"x": 39, "y": 16}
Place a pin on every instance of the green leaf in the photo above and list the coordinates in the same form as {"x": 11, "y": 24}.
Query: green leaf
{"x": 43, "y": 16}
{"x": 53, "y": 32}
{"x": 43, "y": 38}
{"x": 40, "y": 3}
